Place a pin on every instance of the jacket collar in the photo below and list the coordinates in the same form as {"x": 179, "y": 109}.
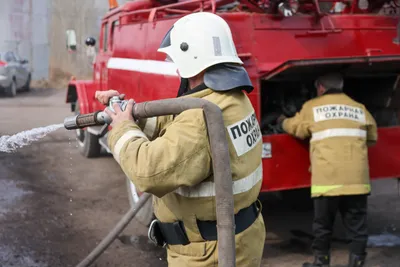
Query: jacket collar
{"x": 198, "y": 88}
{"x": 333, "y": 91}
{"x": 199, "y": 91}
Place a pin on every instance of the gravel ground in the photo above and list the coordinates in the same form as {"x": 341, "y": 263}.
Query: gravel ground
{"x": 55, "y": 205}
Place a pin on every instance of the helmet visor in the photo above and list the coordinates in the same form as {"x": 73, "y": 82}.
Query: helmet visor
{"x": 167, "y": 39}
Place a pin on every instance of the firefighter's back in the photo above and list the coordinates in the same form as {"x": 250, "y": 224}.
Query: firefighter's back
{"x": 340, "y": 128}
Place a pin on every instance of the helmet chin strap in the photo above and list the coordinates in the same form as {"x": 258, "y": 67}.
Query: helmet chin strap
{"x": 183, "y": 87}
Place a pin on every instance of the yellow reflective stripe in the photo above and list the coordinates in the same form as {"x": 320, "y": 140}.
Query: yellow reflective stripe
{"x": 124, "y": 139}
{"x": 338, "y": 132}
{"x": 207, "y": 189}
{"x": 318, "y": 189}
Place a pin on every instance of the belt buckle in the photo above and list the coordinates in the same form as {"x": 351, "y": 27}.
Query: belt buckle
{"x": 155, "y": 235}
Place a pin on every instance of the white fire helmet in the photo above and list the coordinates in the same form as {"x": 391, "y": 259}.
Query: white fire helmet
{"x": 198, "y": 41}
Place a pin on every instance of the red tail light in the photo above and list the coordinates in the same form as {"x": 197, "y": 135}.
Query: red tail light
{"x": 2, "y": 63}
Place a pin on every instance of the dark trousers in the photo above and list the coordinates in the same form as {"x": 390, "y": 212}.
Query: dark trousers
{"x": 353, "y": 210}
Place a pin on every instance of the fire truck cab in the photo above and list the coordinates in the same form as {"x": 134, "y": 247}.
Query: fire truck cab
{"x": 285, "y": 46}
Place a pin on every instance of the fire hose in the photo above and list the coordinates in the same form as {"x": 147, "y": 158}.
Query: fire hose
{"x": 220, "y": 161}
{"x": 119, "y": 227}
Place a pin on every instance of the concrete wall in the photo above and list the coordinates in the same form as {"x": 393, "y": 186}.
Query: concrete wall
{"x": 24, "y": 28}
{"x": 84, "y": 17}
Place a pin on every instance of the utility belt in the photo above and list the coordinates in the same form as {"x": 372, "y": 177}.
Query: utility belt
{"x": 163, "y": 234}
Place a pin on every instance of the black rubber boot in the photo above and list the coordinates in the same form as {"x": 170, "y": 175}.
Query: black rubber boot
{"x": 356, "y": 260}
{"x": 319, "y": 261}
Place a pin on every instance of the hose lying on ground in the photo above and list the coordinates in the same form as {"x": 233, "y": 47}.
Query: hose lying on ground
{"x": 112, "y": 235}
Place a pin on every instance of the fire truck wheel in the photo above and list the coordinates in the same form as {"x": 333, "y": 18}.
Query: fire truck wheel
{"x": 146, "y": 214}
{"x": 88, "y": 144}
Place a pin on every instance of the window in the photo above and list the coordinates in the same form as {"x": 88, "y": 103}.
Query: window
{"x": 113, "y": 26}
{"x": 105, "y": 37}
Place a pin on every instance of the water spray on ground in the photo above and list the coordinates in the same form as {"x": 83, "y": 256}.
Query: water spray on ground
{"x": 11, "y": 143}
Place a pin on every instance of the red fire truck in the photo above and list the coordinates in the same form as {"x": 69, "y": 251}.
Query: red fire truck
{"x": 285, "y": 45}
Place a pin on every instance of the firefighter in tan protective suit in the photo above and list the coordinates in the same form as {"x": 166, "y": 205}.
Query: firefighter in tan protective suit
{"x": 341, "y": 131}
{"x": 170, "y": 158}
